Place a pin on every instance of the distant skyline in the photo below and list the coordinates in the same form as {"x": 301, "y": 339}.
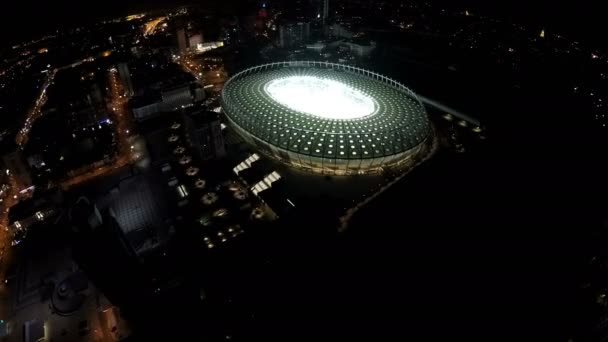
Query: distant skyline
{"x": 576, "y": 17}
{"x": 30, "y": 17}
{"x": 33, "y": 18}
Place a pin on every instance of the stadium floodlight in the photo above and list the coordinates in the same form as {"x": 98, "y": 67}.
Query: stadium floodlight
{"x": 325, "y": 98}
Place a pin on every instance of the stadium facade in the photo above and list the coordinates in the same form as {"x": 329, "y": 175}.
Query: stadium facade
{"x": 327, "y": 118}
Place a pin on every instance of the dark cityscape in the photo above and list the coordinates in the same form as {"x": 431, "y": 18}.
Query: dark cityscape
{"x": 247, "y": 170}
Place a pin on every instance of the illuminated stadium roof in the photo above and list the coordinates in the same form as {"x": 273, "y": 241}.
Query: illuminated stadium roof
{"x": 324, "y": 111}
{"x": 321, "y": 97}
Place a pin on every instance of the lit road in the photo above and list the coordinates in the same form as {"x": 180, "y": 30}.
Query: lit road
{"x": 124, "y": 127}
{"x": 215, "y": 76}
{"x": 191, "y": 66}
{"x": 5, "y": 245}
{"x": 12, "y": 68}
{"x": 12, "y": 197}
{"x": 35, "y": 112}
{"x": 150, "y": 26}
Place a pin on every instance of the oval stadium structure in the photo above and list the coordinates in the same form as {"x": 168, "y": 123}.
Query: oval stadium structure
{"x": 327, "y": 118}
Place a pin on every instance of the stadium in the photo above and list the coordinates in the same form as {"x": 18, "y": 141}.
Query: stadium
{"x": 327, "y": 118}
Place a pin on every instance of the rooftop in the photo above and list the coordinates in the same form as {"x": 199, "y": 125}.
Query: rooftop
{"x": 140, "y": 209}
{"x": 292, "y": 106}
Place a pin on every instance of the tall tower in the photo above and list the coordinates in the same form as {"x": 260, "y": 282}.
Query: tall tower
{"x": 294, "y": 34}
{"x": 182, "y": 41}
{"x": 205, "y": 134}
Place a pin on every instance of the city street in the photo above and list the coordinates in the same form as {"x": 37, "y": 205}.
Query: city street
{"x": 215, "y": 76}
{"x": 151, "y": 26}
{"x": 35, "y": 112}
{"x": 124, "y": 128}
{"x": 13, "y": 196}
{"x": 6, "y": 238}
{"x": 125, "y": 156}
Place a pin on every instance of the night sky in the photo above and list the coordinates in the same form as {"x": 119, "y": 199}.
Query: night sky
{"x": 580, "y": 18}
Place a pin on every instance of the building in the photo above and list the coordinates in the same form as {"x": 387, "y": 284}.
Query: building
{"x": 205, "y": 133}
{"x": 198, "y": 92}
{"x": 103, "y": 252}
{"x": 33, "y": 331}
{"x": 361, "y": 49}
{"x": 294, "y": 34}
{"x": 35, "y": 161}
{"x": 328, "y": 118}
{"x": 195, "y": 40}
{"x": 341, "y": 31}
{"x": 299, "y": 10}
{"x": 94, "y": 97}
{"x": 17, "y": 167}
{"x": 141, "y": 215}
{"x": 125, "y": 77}
{"x": 182, "y": 41}
{"x": 36, "y": 209}
{"x": 86, "y": 117}
{"x": 317, "y": 47}
{"x": 176, "y": 97}
{"x": 155, "y": 131}
{"x": 145, "y": 106}
{"x": 167, "y": 100}
{"x": 204, "y": 47}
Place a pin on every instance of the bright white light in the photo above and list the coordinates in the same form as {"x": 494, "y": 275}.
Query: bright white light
{"x": 321, "y": 97}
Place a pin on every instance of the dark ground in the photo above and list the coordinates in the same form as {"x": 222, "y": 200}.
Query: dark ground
{"x": 487, "y": 245}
